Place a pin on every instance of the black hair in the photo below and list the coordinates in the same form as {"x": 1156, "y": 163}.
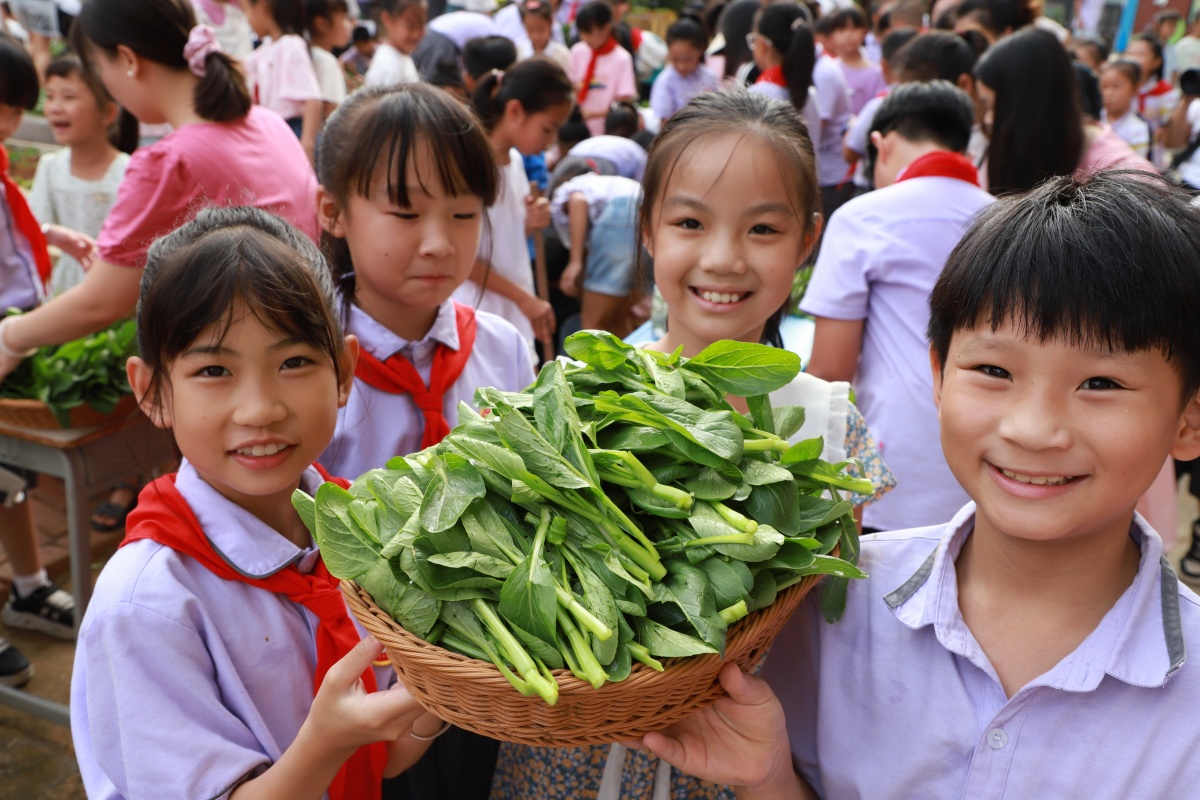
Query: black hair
{"x": 778, "y": 126}
{"x": 1157, "y": 47}
{"x": 573, "y": 131}
{"x": 486, "y": 53}
{"x": 622, "y": 119}
{"x": 593, "y": 16}
{"x": 933, "y": 111}
{"x": 933, "y": 55}
{"x": 1107, "y": 262}
{"x": 896, "y": 41}
{"x": 395, "y": 8}
{"x": 288, "y": 15}
{"x": 537, "y": 84}
{"x": 1090, "y": 101}
{"x": 823, "y": 26}
{"x": 322, "y": 9}
{"x": 1127, "y": 67}
{"x": 158, "y": 30}
{"x": 785, "y": 27}
{"x": 18, "y": 76}
{"x": 1037, "y": 128}
{"x": 736, "y": 21}
{"x": 848, "y": 17}
{"x": 196, "y": 275}
{"x": 360, "y": 35}
{"x": 387, "y": 126}
{"x": 536, "y": 8}
{"x": 1099, "y": 46}
{"x": 447, "y": 75}
{"x": 688, "y": 30}
{"x": 997, "y": 17}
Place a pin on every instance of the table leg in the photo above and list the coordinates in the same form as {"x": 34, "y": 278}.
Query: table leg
{"x": 78, "y": 533}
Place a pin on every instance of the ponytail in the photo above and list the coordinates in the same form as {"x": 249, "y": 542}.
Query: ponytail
{"x": 785, "y": 26}
{"x": 222, "y": 94}
{"x": 537, "y": 84}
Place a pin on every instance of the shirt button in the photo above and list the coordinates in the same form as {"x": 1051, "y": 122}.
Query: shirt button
{"x": 997, "y": 738}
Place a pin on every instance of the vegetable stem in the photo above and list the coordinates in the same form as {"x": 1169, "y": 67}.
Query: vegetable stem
{"x": 734, "y": 518}
{"x": 640, "y": 653}
{"x": 769, "y": 444}
{"x": 734, "y": 612}
{"x": 589, "y": 667}
{"x": 586, "y": 618}
{"x": 521, "y": 660}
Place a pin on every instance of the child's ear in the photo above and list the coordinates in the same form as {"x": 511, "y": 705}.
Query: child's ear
{"x": 140, "y": 377}
{"x": 346, "y": 369}
{"x": 811, "y": 238}
{"x": 935, "y": 366}
{"x": 1187, "y": 441}
{"x": 327, "y": 213}
{"x": 514, "y": 112}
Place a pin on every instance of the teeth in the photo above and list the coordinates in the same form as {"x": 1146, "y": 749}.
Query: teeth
{"x": 1037, "y": 481}
{"x": 260, "y": 450}
{"x": 721, "y": 297}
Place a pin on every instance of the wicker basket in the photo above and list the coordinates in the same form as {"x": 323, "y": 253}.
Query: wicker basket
{"x": 474, "y": 695}
{"x": 36, "y": 414}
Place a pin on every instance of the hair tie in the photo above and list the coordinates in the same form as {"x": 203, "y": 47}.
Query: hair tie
{"x": 798, "y": 21}
{"x": 201, "y": 43}
{"x": 498, "y": 74}
{"x": 533, "y": 5}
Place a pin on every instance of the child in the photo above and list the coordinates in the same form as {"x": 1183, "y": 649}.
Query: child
{"x": 1119, "y": 82}
{"x": 76, "y": 186}
{"x": 848, "y": 28}
{"x": 616, "y": 146}
{"x": 403, "y": 24}
{"x": 281, "y": 71}
{"x": 522, "y": 110}
{"x": 447, "y": 37}
{"x": 784, "y": 52}
{"x": 406, "y": 177}
{"x": 229, "y": 25}
{"x": 728, "y": 216}
{"x": 537, "y": 19}
{"x": 155, "y": 61}
{"x": 685, "y": 75}
{"x": 1156, "y": 97}
{"x": 244, "y": 362}
{"x": 483, "y": 55}
{"x": 870, "y": 289}
{"x": 328, "y": 25}
{"x": 1047, "y": 599}
{"x": 357, "y": 60}
{"x": 600, "y": 71}
{"x": 1092, "y": 53}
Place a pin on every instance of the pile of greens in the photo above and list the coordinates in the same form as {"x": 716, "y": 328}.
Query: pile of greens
{"x": 89, "y": 370}
{"x": 618, "y": 510}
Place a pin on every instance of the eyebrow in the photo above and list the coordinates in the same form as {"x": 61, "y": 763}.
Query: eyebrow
{"x": 984, "y": 346}
{"x": 209, "y": 350}
{"x": 762, "y": 208}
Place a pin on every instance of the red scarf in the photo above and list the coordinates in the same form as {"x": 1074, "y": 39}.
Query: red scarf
{"x": 603, "y": 50}
{"x": 23, "y": 217}
{"x": 398, "y": 376}
{"x": 772, "y": 75}
{"x": 942, "y": 164}
{"x": 1158, "y": 90}
{"x": 164, "y": 516}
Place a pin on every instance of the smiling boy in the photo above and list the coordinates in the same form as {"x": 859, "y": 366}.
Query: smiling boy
{"x": 1035, "y": 645}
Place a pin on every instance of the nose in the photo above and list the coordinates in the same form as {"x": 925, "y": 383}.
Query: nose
{"x": 260, "y": 404}
{"x": 723, "y": 253}
{"x": 1036, "y": 421}
{"x": 436, "y": 242}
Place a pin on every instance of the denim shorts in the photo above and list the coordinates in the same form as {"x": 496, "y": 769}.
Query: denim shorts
{"x": 612, "y": 249}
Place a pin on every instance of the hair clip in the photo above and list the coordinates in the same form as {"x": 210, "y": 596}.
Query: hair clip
{"x": 533, "y": 5}
{"x": 498, "y": 74}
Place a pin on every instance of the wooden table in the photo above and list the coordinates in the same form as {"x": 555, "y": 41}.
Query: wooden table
{"x": 88, "y": 460}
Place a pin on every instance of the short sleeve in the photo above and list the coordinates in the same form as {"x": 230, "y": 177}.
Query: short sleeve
{"x": 626, "y": 83}
{"x": 41, "y": 203}
{"x": 297, "y": 74}
{"x": 577, "y": 63}
{"x": 840, "y": 286}
{"x": 856, "y": 137}
{"x": 661, "y": 98}
{"x": 154, "y": 198}
{"x": 862, "y": 447}
{"x": 329, "y": 76}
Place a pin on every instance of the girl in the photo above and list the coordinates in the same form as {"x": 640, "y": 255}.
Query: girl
{"x": 403, "y": 26}
{"x": 406, "y": 176}
{"x": 1119, "y": 83}
{"x": 281, "y": 71}
{"x": 217, "y": 618}
{"x": 329, "y": 30}
{"x": 728, "y": 215}
{"x": 76, "y": 186}
{"x": 1156, "y": 97}
{"x": 522, "y": 110}
{"x": 686, "y": 74}
{"x": 784, "y": 51}
{"x": 537, "y": 18}
{"x": 155, "y": 62}
{"x": 847, "y": 30}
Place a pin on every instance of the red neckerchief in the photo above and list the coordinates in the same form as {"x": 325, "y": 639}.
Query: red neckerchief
{"x": 24, "y": 219}
{"x": 397, "y": 375}
{"x": 942, "y": 164}
{"x": 603, "y": 50}
{"x": 164, "y": 516}
{"x": 1161, "y": 88}
{"x": 772, "y": 75}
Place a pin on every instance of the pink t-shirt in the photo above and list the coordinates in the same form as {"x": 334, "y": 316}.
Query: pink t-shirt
{"x": 256, "y": 161}
{"x": 282, "y": 76}
{"x": 1107, "y": 150}
{"x": 612, "y": 80}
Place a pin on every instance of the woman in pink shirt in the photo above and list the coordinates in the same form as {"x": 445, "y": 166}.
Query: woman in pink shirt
{"x": 156, "y": 62}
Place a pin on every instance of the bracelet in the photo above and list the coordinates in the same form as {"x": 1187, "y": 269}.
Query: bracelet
{"x": 445, "y": 727}
{"x": 5, "y": 349}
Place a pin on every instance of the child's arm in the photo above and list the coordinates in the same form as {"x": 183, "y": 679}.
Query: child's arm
{"x": 343, "y": 718}
{"x": 539, "y": 312}
{"x": 571, "y": 280}
{"x": 313, "y": 119}
{"x": 78, "y": 246}
{"x": 739, "y": 741}
{"x": 837, "y": 345}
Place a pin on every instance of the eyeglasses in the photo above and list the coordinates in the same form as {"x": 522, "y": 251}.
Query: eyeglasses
{"x": 751, "y": 39}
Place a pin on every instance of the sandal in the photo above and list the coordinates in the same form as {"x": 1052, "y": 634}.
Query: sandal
{"x": 1189, "y": 565}
{"x": 110, "y": 515}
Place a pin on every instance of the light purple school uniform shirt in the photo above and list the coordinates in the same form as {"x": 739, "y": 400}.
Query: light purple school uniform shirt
{"x": 898, "y": 700}
{"x": 461, "y": 27}
{"x": 376, "y": 425}
{"x": 672, "y": 91}
{"x": 20, "y": 284}
{"x": 598, "y": 190}
{"x": 882, "y": 254}
{"x": 836, "y": 112}
{"x": 859, "y": 134}
{"x": 864, "y": 83}
{"x": 185, "y": 684}
{"x": 627, "y": 156}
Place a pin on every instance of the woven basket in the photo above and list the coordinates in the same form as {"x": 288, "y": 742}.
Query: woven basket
{"x": 474, "y": 695}
{"x": 36, "y": 414}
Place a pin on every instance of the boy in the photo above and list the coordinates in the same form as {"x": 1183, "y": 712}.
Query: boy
{"x": 1034, "y": 646}
{"x": 601, "y": 72}
{"x": 1119, "y": 82}
{"x": 870, "y": 290}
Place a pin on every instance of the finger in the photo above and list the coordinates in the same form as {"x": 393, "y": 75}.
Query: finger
{"x": 351, "y": 666}
{"x": 665, "y": 747}
{"x": 742, "y": 688}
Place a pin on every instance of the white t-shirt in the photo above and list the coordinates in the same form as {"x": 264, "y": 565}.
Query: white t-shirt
{"x": 229, "y": 25}
{"x": 330, "y": 77}
{"x": 389, "y": 67}
{"x": 1190, "y": 169}
{"x": 504, "y": 245}
{"x": 1133, "y": 129}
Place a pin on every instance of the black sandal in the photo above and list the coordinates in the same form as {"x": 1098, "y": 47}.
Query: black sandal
{"x": 1189, "y": 565}
{"x": 110, "y": 516}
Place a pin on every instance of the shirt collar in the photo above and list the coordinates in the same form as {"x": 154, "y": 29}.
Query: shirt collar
{"x": 383, "y": 344}
{"x": 1139, "y": 641}
{"x": 242, "y": 540}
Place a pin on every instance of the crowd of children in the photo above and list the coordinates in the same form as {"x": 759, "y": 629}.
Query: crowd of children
{"x": 339, "y": 219}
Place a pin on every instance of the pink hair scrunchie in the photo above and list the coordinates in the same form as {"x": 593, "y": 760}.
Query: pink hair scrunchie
{"x": 201, "y": 42}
